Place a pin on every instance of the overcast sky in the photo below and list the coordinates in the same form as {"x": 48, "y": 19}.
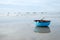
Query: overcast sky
{"x": 30, "y": 5}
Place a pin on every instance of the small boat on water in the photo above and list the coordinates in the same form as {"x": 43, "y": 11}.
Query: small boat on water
{"x": 42, "y": 23}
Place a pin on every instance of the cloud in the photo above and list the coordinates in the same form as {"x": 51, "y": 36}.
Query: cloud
{"x": 20, "y": 2}
{"x": 37, "y": 5}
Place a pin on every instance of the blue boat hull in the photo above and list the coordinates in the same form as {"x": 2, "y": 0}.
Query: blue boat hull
{"x": 41, "y": 24}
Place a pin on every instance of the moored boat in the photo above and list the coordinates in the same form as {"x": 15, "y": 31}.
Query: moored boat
{"x": 42, "y": 23}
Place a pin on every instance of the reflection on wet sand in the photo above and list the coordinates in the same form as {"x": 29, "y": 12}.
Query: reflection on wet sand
{"x": 42, "y": 29}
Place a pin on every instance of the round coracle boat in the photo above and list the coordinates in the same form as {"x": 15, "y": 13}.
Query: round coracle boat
{"x": 42, "y": 23}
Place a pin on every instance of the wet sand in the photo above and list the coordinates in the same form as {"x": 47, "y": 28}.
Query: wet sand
{"x": 23, "y": 28}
